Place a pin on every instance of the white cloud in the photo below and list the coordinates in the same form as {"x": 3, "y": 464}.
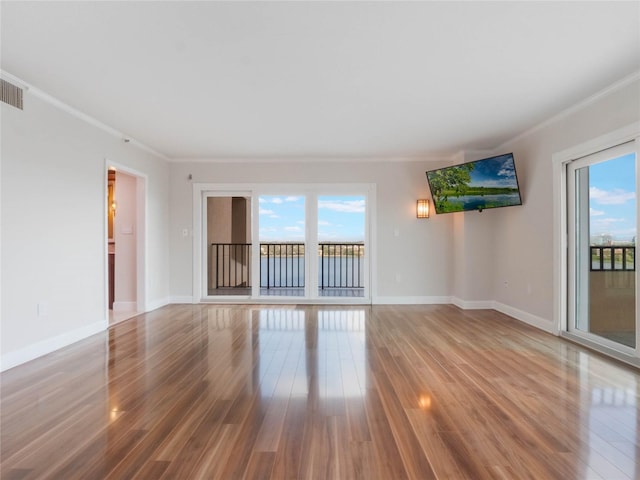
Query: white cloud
{"x": 605, "y": 224}
{"x": 292, "y": 229}
{"x": 274, "y": 216}
{"x": 507, "y": 172}
{"x": 595, "y": 213}
{"x": 300, "y": 222}
{"x": 291, "y": 199}
{"x": 323, "y": 223}
{"x": 261, "y": 200}
{"x": 350, "y": 206}
{"x": 265, "y": 211}
{"x": 277, "y": 200}
{"x": 616, "y": 196}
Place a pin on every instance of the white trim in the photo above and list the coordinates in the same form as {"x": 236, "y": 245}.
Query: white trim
{"x": 55, "y": 102}
{"x": 255, "y": 190}
{"x": 560, "y": 240}
{"x": 142, "y": 201}
{"x": 159, "y": 303}
{"x": 526, "y": 317}
{"x": 412, "y": 300}
{"x": 580, "y": 340}
{"x": 179, "y": 299}
{"x": 574, "y": 108}
{"x": 13, "y": 79}
{"x": 472, "y": 304}
{"x": 31, "y": 352}
{"x": 446, "y": 157}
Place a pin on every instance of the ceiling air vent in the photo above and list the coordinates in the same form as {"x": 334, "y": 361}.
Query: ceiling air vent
{"x": 11, "y": 94}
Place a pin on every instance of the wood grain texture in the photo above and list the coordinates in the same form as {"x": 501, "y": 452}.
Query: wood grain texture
{"x": 320, "y": 392}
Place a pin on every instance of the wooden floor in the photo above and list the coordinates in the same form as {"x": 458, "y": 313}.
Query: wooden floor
{"x": 282, "y": 392}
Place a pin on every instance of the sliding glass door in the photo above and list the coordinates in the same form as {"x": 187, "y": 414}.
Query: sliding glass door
{"x": 282, "y": 236}
{"x": 341, "y": 245}
{"x": 290, "y": 243}
{"x": 602, "y": 247}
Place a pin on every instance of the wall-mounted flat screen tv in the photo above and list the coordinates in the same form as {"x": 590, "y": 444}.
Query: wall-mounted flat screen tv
{"x": 487, "y": 183}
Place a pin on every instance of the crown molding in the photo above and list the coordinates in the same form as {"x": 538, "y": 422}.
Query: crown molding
{"x": 427, "y": 158}
{"x": 614, "y": 87}
{"x": 59, "y": 104}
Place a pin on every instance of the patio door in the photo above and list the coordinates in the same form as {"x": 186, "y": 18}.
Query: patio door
{"x": 286, "y": 243}
{"x": 282, "y": 237}
{"x": 602, "y": 229}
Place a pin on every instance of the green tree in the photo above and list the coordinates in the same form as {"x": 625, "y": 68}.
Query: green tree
{"x": 449, "y": 181}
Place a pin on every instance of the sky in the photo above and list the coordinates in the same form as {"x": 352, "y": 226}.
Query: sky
{"x": 494, "y": 172}
{"x": 612, "y": 198}
{"x": 340, "y": 218}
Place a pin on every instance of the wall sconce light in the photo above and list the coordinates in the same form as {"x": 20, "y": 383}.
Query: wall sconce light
{"x": 422, "y": 208}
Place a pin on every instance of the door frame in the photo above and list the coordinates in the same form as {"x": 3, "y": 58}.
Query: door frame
{"x": 311, "y": 192}
{"x": 576, "y": 292}
{"x": 560, "y": 162}
{"x": 141, "y": 235}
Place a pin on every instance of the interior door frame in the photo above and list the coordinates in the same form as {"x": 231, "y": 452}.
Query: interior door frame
{"x": 142, "y": 289}
{"x": 311, "y": 192}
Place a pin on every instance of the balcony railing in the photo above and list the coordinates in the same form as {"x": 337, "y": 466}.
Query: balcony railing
{"x": 231, "y": 265}
{"x": 615, "y": 257}
{"x": 282, "y": 265}
{"x": 340, "y": 265}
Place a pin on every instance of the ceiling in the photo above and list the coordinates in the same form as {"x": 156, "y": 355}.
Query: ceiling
{"x": 198, "y": 80}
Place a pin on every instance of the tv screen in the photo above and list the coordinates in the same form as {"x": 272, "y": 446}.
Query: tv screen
{"x": 487, "y": 183}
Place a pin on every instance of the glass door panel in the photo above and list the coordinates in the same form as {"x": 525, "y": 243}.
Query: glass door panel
{"x": 341, "y": 245}
{"x": 228, "y": 234}
{"x": 602, "y": 242}
{"x": 282, "y": 245}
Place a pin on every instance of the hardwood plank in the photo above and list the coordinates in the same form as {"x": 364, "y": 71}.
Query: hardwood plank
{"x": 299, "y": 392}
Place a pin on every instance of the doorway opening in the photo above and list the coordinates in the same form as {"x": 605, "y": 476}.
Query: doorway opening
{"x": 125, "y": 214}
{"x": 228, "y": 221}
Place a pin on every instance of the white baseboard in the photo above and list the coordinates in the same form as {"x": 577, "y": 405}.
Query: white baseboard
{"x": 125, "y": 306}
{"x": 181, "y": 299}
{"x": 411, "y": 300}
{"x": 158, "y": 303}
{"x": 472, "y": 304}
{"x": 18, "y": 357}
{"x": 528, "y": 318}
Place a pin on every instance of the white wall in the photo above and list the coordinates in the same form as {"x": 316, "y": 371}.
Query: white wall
{"x": 501, "y": 257}
{"x": 524, "y": 236}
{"x": 421, "y": 254}
{"x": 53, "y": 227}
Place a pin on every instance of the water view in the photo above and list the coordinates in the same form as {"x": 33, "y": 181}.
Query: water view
{"x": 476, "y": 202}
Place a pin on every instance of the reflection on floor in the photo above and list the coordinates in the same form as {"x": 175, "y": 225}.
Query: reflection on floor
{"x": 117, "y": 317}
{"x": 319, "y": 391}
{"x": 288, "y": 292}
{"x": 623, "y": 338}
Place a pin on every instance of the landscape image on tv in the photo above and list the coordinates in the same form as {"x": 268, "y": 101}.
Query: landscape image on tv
{"x": 487, "y": 183}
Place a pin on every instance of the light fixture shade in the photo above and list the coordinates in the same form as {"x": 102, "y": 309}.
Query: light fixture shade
{"x": 422, "y": 208}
